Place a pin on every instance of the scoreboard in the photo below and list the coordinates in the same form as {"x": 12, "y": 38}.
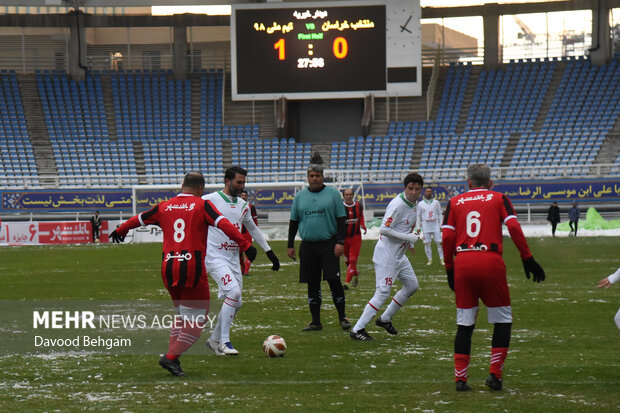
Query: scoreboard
{"x": 308, "y": 50}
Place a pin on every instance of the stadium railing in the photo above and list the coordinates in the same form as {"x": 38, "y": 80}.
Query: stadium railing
{"x": 544, "y": 172}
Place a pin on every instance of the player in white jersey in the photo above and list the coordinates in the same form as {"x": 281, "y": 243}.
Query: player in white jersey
{"x": 606, "y": 283}
{"x": 390, "y": 260}
{"x": 430, "y": 219}
{"x": 222, "y": 258}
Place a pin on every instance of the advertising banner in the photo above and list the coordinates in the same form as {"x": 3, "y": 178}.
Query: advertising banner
{"x": 57, "y": 232}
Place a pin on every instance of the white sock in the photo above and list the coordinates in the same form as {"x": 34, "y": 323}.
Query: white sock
{"x": 227, "y": 315}
{"x": 428, "y": 251}
{"x": 217, "y": 330}
{"x": 440, "y": 250}
{"x": 399, "y": 299}
{"x": 367, "y": 315}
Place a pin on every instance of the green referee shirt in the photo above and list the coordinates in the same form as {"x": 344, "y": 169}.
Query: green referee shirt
{"x": 317, "y": 213}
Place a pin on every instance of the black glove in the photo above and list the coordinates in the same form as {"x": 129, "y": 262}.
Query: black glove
{"x": 115, "y": 237}
{"x": 531, "y": 266}
{"x": 251, "y": 253}
{"x": 274, "y": 260}
{"x": 450, "y": 273}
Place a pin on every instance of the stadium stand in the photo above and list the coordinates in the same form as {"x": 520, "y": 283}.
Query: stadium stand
{"x": 266, "y": 157}
{"x": 506, "y": 102}
{"x": 17, "y": 166}
{"x": 583, "y": 111}
{"x": 77, "y": 126}
{"x": 153, "y": 109}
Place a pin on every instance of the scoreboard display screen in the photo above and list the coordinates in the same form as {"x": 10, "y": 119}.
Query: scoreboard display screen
{"x": 306, "y": 51}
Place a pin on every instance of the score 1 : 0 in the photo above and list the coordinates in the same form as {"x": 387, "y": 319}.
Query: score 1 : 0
{"x": 340, "y": 47}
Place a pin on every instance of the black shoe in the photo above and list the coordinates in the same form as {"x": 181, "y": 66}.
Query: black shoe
{"x": 313, "y": 327}
{"x": 174, "y": 367}
{"x": 345, "y": 324}
{"x": 462, "y": 385}
{"x": 361, "y": 335}
{"x": 494, "y": 383}
{"x": 387, "y": 325}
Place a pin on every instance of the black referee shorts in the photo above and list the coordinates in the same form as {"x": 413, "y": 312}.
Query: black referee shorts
{"x": 316, "y": 258}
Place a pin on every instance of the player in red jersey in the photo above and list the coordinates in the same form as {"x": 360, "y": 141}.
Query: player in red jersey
{"x": 472, "y": 239}
{"x": 184, "y": 220}
{"x": 353, "y": 240}
{"x": 243, "y": 260}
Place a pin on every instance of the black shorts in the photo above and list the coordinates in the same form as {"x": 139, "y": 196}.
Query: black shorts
{"x": 316, "y": 258}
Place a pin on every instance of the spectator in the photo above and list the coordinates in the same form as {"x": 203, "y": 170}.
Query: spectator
{"x": 573, "y": 219}
{"x": 95, "y": 223}
{"x": 316, "y": 159}
{"x": 553, "y": 216}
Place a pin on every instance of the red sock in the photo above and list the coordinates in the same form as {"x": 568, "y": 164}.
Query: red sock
{"x": 174, "y": 333}
{"x": 498, "y": 356}
{"x": 246, "y": 269}
{"x": 187, "y": 337}
{"x": 350, "y": 273}
{"x": 461, "y": 364}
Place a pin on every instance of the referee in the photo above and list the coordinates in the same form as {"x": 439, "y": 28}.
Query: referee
{"x": 319, "y": 215}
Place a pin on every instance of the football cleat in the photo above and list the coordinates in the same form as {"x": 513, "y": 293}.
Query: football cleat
{"x": 429, "y": 262}
{"x": 461, "y": 385}
{"x": 313, "y": 327}
{"x": 345, "y": 286}
{"x": 361, "y": 335}
{"x": 494, "y": 383}
{"x": 227, "y": 349}
{"x": 174, "y": 367}
{"x": 387, "y": 325}
{"x": 214, "y": 346}
{"x": 345, "y": 324}
{"x": 354, "y": 281}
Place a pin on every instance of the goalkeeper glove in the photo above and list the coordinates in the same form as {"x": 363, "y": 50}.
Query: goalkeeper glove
{"x": 531, "y": 266}
{"x": 251, "y": 253}
{"x": 116, "y": 237}
{"x": 450, "y": 273}
{"x": 274, "y": 260}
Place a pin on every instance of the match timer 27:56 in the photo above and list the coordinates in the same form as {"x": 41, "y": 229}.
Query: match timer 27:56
{"x": 304, "y": 50}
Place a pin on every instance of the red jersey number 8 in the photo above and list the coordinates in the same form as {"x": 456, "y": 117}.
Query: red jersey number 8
{"x": 179, "y": 230}
{"x": 473, "y": 224}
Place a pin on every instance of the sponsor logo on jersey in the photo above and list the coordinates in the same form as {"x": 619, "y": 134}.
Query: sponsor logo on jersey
{"x": 481, "y": 197}
{"x": 185, "y": 207}
{"x": 228, "y": 246}
{"x": 318, "y": 211}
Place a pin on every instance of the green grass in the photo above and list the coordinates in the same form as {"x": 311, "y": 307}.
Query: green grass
{"x": 564, "y": 352}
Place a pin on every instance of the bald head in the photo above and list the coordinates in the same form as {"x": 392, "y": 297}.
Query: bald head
{"x": 193, "y": 183}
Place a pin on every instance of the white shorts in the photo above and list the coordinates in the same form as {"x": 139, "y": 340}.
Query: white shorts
{"x": 385, "y": 276}
{"x": 226, "y": 278}
{"x": 428, "y": 236}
